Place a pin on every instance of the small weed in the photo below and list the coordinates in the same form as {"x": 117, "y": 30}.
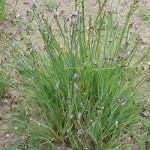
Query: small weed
{"x": 145, "y": 14}
{"x": 3, "y": 79}
{"x": 142, "y": 140}
{"x": 2, "y": 9}
{"x": 51, "y": 5}
{"x": 2, "y": 84}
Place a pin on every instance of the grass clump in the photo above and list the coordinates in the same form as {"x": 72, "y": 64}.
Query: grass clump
{"x": 145, "y": 13}
{"x": 51, "y": 5}
{"x": 3, "y": 78}
{"x": 83, "y": 89}
{"x": 2, "y": 84}
{"x": 2, "y": 9}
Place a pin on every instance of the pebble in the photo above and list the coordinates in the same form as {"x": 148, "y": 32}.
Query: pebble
{"x": 1, "y": 28}
{"x": 7, "y": 135}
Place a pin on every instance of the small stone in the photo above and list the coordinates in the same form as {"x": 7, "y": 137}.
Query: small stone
{"x": 7, "y": 135}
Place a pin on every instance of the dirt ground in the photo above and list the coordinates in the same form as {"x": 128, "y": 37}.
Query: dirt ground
{"x": 11, "y": 97}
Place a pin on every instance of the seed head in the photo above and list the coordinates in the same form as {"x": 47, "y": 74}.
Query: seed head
{"x": 138, "y": 38}
{"x": 123, "y": 103}
{"x": 76, "y": 86}
{"x": 56, "y": 14}
{"x": 93, "y": 124}
{"x": 28, "y": 9}
{"x": 71, "y": 116}
{"x": 27, "y": 113}
{"x": 76, "y": 28}
{"x": 76, "y": 76}
{"x": 137, "y": 1}
{"x": 73, "y": 20}
{"x": 75, "y": 13}
{"x": 79, "y": 115}
{"x": 80, "y": 132}
{"x": 57, "y": 85}
{"x": 116, "y": 123}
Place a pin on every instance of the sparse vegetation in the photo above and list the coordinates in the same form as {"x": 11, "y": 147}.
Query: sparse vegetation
{"x": 145, "y": 13}
{"x": 3, "y": 78}
{"x": 2, "y": 85}
{"x": 51, "y": 5}
{"x": 2, "y": 9}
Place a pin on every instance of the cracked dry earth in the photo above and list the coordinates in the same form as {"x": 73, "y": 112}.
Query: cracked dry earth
{"x": 11, "y": 97}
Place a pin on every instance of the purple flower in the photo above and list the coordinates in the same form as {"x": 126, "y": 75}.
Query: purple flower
{"x": 76, "y": 76}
